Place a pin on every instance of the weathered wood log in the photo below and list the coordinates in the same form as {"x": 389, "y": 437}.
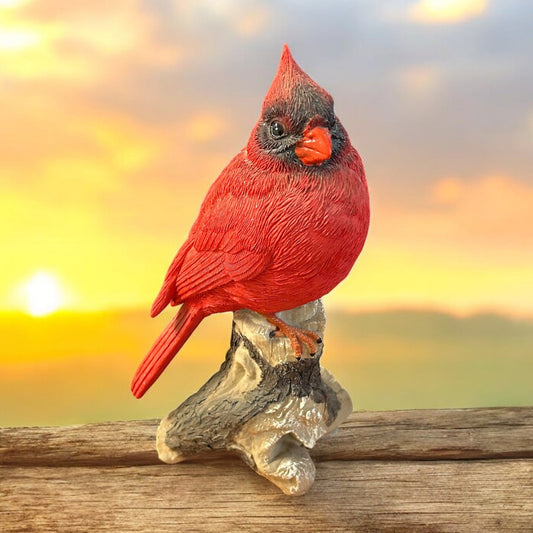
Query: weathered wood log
{"x": 457, "y": 434}
{"x": 227, "y": 496}
{"x": 405, "y": 471}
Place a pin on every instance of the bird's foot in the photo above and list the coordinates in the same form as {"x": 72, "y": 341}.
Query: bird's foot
{"x": 297, "y": 336}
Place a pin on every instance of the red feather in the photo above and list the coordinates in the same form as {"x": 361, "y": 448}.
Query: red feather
{"x": 274, "y": 231}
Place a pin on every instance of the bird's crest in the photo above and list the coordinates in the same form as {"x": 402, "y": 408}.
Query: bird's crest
{"x": 289, "y": 78}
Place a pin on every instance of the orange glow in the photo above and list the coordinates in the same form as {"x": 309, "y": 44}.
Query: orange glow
{"x": 103, "y": 196}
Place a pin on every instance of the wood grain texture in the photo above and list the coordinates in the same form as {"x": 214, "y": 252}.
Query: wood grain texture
{"x": 428, "y": 471}
{"x": 392, "y": 435}
{"x": 228, "y": 496}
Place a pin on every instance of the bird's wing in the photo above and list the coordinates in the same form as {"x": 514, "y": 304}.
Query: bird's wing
{"x": 225, "y": 245}
{"x": 206, "y": 270}
{"x": 198, "y": 271}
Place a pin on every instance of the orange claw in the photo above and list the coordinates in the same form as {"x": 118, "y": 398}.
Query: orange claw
{"x": 297, "y": 336}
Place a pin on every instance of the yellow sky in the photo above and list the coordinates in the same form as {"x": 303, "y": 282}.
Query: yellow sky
{"x": 107, "y": 148}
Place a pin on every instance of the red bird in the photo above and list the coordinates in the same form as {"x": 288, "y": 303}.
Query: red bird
{"x": 281, "y": 226}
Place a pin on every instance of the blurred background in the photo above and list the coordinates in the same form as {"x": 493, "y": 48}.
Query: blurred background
{"x": 117, "y": 116}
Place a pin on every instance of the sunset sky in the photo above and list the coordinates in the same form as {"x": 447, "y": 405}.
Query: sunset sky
{"x": 117, "y": 116}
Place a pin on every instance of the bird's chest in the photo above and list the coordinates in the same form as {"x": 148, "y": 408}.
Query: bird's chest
{"x": 316, "y": 226}
{"x": 312, "y": 238}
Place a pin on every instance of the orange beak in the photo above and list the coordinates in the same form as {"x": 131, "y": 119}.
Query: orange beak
{"x": 315, "y": 147}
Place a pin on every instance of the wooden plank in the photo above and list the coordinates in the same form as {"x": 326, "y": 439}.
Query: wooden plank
{"x": 432, "y": 435}
{"x": 390, "y": 435}
{"x": 365, "y": 496}
{"x": 432, "y": 471}
{"x": 109, "y": 443}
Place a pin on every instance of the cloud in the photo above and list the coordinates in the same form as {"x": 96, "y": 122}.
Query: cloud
{"x": 80, "y": 42}
{"x": 484, "y": 215}
{"x": 246, "y": 18}
{"x": 493, "y": 210}
{"x": 205, "y": 126}
{"x": 46, "y": 129}
{"x": 254, "y": 21}
{"x": 447, "y": 11}
{"x": 466, "y": 245}
{"x": 420, "y": 78}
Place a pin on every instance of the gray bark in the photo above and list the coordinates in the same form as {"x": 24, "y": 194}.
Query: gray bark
{"x": 262, "y": 403}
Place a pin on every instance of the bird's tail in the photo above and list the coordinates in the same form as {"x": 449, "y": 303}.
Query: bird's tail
{"x": 165, "y": 348}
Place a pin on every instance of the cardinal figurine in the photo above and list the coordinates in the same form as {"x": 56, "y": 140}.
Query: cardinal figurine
{"x": 280, "y": 227}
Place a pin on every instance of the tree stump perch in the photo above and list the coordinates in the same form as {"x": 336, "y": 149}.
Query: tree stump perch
{"x": 262, "y": 404}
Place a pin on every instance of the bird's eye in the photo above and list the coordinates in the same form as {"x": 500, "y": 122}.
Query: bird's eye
{"x": 277, "y": 130}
